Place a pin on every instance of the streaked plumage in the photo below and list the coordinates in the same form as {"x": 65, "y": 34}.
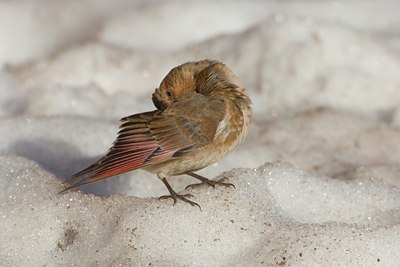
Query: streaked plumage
{"x": 202, "y": 114}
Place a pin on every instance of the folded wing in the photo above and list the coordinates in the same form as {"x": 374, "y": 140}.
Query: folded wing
{"x": 155, "y": 137}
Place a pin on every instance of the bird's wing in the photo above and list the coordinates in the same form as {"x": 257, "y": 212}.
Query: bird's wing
{"x": 154, "y": 137}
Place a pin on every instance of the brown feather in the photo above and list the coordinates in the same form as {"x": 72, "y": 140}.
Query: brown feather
{"x": 155, "y": 137}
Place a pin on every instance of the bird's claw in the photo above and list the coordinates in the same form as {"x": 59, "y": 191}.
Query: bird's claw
{"x": 211, "y": 183}
{"x": 176, "y": 196}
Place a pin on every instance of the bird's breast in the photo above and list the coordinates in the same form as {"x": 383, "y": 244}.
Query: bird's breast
{"x": 232, "y": 129}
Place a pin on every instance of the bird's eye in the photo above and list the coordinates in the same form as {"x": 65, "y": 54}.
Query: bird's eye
{"x": 170, "y": 93}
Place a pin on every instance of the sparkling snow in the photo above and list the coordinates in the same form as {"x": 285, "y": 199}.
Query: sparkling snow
{"x": 317, "y": 180}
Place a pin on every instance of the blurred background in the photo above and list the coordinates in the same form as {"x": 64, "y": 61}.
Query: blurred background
{"x": 78, "y": 55}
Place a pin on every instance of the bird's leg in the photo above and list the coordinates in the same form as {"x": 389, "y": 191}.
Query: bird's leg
{"x": 172, "y": 194}
{"x": 204, "y": 180}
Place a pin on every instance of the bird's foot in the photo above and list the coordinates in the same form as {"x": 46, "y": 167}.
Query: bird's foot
{"x": 211, "y": 183}
{"x": 175, "y": 196}
{"x": 208, "y": 182}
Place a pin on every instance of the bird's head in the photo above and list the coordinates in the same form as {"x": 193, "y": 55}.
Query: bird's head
{"x": 200, "y": 77}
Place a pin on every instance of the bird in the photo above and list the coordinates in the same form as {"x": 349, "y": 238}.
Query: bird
{"x": 202, "y": 114}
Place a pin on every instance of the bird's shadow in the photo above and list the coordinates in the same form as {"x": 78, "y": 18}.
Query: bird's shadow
{"x": 61, "y": 159}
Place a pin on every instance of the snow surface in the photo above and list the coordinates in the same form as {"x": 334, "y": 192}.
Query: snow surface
{"x": 317, "y": 179}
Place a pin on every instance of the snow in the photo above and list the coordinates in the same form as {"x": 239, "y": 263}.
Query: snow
{"x": 316, "y": 181}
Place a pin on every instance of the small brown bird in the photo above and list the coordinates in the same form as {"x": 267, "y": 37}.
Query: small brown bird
{"x": 202, "y": 114}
